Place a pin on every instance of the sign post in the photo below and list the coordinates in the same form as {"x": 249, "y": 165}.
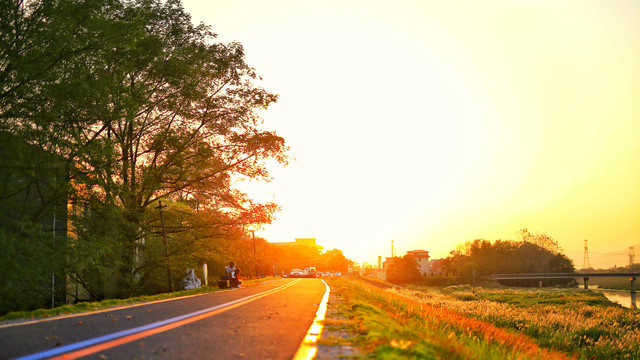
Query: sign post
{"x": 205, "y": 275}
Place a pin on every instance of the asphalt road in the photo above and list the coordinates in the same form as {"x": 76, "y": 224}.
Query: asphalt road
{"x": 268, "y": 321}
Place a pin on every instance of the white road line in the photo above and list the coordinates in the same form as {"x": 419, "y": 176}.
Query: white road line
{"x": 120, "y": 334}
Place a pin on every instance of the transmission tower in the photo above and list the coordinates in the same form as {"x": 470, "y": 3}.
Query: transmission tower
{"x": 585, "y": 262}
{"x": 632, "y": 255}
{"x": 392, "y": 255}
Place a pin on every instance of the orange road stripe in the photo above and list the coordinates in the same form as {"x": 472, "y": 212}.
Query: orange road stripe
{"x": 133, "y": 337}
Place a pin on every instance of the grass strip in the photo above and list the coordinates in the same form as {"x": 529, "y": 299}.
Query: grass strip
{"x": 389, "y": 326}
{"x": 109, "y": 303}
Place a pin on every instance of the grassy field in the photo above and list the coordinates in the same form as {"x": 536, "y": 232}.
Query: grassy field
{"x": 499, "y": 323}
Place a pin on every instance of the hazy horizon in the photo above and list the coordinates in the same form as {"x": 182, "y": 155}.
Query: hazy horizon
{"x": 433, "y": 123}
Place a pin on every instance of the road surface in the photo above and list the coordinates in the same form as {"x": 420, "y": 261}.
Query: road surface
{"x": 268, "y": 321}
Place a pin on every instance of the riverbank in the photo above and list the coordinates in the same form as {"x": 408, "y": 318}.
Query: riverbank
{"x": 460, "y": 322}
{"x": 622, "y": 297}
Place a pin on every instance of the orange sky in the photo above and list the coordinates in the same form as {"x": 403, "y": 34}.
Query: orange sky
{"x": 432, "y": 123}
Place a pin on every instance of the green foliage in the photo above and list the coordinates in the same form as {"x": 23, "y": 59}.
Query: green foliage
{"x": 28, "y": 262}
{"x": 333, "y": 260}
{"x": 403, "y": 270}
{"x": 32, "y": 222}
{"x": 141, "y": 105}
{"x": 537, "y": 253}
{"x": 95, "y": 257}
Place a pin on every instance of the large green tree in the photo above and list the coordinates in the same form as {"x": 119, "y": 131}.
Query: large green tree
{"x": 38, "y": 42}
{"x": 144, "y": 106}
{"x": 188, "y": 126}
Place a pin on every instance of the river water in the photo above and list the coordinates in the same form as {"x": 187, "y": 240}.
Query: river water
{"x": 625, "y": 299}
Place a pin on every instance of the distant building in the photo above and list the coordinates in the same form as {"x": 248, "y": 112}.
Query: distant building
{"x": 307, "y": 242}
{"x": 422, "y": 258}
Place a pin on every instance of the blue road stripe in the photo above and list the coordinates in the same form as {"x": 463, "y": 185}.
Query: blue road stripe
{"x": 86, "y": 343}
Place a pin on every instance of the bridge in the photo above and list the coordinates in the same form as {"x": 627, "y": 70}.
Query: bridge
{"x": 584, "y": 276}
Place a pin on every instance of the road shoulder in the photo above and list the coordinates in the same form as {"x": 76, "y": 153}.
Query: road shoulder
{"x": 336, "y": 340}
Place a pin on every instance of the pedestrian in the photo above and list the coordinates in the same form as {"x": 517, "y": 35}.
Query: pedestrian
{"x": 233, "y": 271}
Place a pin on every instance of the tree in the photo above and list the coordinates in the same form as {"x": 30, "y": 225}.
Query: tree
{"x": 36, "y": 39}
{"x": 188, "y": 125}
{"x": 334, "y": 260}
{"x": 543, "y": 240}
{"x": 403, "y": 270}
{"x": 46, "y": 90}
{"x": 535, "y": 253}
{"x": 560, "y": 263}
{"x": 143, "y": 106}
{"x": 531, "y": 254}
{"x": 32, "y": 226}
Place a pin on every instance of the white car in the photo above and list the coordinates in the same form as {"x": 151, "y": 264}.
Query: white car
{"x": 296, "y": 273}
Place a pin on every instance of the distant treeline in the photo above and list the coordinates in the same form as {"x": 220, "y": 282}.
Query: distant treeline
{"x": 531, "y": 253}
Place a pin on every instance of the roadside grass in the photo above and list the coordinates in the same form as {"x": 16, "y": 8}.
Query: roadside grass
{"x": 109, "y": 303}
{"x": 386, "y": 324}
{"x": 574, "y": 321}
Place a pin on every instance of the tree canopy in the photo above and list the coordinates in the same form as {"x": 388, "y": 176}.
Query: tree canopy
{"x": 403, "y": 270}
{"x": 143, "y": 106}
{"x": 532, "y": 253}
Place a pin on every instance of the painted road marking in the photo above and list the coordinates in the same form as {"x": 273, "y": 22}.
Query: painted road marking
{"x": 93, "y": 312}
{"x": 308, "y": 348}
{"x": 90, "y": 346}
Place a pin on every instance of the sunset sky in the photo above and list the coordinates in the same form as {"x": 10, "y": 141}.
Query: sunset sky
{"x": 431, "y": 123}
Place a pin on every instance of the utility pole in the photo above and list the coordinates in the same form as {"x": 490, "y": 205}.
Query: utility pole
{"x": 632, "y": 255}
{"x": 585, "y": 261}
{"x": 255, "y": 264}
{"x": 53, "y": 272}
{"x": 164, "y": 243}
{"x": 392, "y": 255}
